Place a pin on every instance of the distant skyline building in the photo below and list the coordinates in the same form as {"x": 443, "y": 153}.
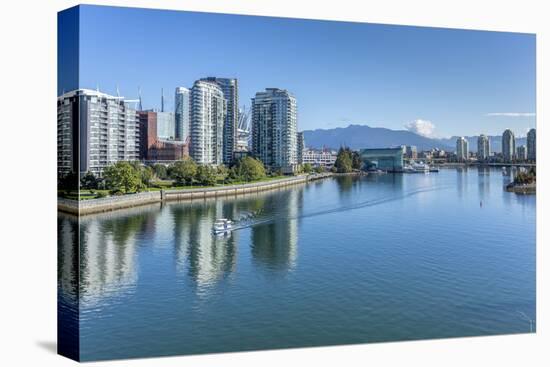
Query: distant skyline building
{"x": 94, "y": 130}
{"x": 153, "y": 148}
{"x": 483, "y": 147}
{"x": 274, "y": 129}
{"x": 532, "y": 145}
{"x": 147, "y": 132}
{"x": 182, "y": 113}
{"x": 411, "y": 151}
{"x": 208, "y": 112}
{"x": 166, "y": 126}
{"x": 301, "y": 147}
{"x": 243, "y": 132}
{"x": 508, "y": 145}
{"x": 230, "y": 89}
{"x": 521, "y": 153}
{"x": 462, "y": 149}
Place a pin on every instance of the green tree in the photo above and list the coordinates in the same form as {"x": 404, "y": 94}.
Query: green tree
{"x": 307, "y": 168}
{"x": 356, "y": 161}
{"x": 89, "y": 181}
{"x": 160, "y": 171}
{"x": 251, "y": 169}
{"x": 206, "y": 175}
{"x": 122, "y": 177}
{"x": 147, "y": 176}
{"x": 343, "y": 162}
{"x": 183, "y": 171}
{"x": 222, "y": 173}
{"x": 68, "y": 182}
{"x": 319, "y": 169}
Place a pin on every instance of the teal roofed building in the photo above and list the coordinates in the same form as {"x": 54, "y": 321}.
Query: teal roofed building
{"x": 386, "y": 159}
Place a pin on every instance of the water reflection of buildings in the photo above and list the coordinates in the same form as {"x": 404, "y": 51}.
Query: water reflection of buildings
{"x": 67, "y": 287}
{"x": 484, "y": 181}
{"x": 462, "y": 180}
{"x": 106, "y": 253}
{"x": 67, "y": 256}
{"x": 110, "y": 243}
{"x": 275, "y": 243}
{"x": 209, "y": 257}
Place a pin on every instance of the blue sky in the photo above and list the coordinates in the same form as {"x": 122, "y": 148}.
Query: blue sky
{"x": 439, "y": 82}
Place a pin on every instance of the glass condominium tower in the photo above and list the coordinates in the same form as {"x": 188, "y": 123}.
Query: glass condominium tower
{"x": 94, "y": 130}
{"x": 274, "y": 128}
{"x": 230, "y": 89}
{"x": 208, "y": 112}
{"x": 462, "y": 149}
{"x": 483, "y": 147}
{"x": 182, "y": 102}
{"x": 508, "y": 145}
{"x": 532, "y": 145}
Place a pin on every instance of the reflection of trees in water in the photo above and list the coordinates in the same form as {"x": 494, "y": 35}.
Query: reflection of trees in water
{"x": 345, "y": 183}
{"x": 275, "y": 243}
{"x": 209, "y": 257}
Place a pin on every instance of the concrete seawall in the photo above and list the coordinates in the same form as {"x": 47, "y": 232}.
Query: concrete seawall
{"x": 91, "y": 206}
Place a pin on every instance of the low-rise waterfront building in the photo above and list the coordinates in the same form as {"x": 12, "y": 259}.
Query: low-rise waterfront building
{"x": 386, "y": 159}
{"x": 168, "y": 151}
{"x": 324, "y": 158}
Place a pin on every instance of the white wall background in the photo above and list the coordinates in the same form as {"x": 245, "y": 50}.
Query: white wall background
{"x": 28, "y": 165}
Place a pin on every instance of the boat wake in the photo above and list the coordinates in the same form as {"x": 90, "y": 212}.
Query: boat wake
{"x": 252, "y": 219}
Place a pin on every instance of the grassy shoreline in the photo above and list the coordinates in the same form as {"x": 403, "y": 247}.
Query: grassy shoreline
{"x": 85, "y": 207}
{"x": 162, "y": 185}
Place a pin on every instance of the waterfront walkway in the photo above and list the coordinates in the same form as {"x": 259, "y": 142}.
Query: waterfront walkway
{"x": 99, "y": 205}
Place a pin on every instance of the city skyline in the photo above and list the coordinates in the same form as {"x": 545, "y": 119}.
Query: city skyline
{"x": 444, "y": 82}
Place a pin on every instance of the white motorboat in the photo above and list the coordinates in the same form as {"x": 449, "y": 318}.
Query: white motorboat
{"x": 416, "y": 168}
{"x": 223, "y": 225}
{"x": 420, "y": 167}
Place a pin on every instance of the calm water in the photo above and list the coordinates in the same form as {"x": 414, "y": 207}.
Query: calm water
{"x": 344, "y": 260}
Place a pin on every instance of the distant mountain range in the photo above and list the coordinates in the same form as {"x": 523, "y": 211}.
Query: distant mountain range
{"x": 363, "y": 136}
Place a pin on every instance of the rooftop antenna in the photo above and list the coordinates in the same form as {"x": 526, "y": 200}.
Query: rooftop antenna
{"x": 161, "y": 100}
{"x": 140, "y": 106}
{"x": 97, "y": 87}
{"x": 117, "y": 91}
